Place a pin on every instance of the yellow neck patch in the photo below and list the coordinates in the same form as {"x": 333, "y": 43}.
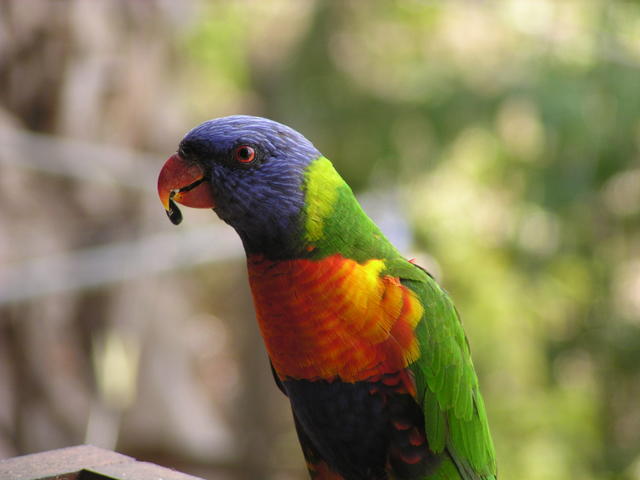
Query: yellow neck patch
{"x": 322, "y": 184}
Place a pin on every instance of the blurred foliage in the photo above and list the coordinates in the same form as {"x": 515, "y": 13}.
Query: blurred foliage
{"x": 511, "y": 129}
{"x": 515, "y": 129}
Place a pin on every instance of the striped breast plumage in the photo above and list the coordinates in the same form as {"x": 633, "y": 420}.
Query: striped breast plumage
{"x": 334, "y": 317}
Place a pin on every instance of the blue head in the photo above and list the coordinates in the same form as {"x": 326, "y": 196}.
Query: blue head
{"x": 255, "y": 170}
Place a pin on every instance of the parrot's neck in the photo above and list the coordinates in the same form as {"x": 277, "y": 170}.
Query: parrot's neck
{"x": 334, "y": 222}
{"x": 280, "y": 242}
{"x": 328, "y": 220}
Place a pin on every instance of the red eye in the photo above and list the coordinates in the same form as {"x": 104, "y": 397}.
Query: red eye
{"x": 245, "y": 154}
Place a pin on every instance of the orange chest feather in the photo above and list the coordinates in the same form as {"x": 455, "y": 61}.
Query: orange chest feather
{"x": 322, "y": 319}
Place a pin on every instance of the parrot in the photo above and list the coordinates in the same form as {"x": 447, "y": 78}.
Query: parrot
{"x": 367, "y": 347}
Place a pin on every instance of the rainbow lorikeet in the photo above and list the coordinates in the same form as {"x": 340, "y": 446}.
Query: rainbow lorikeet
{"x": 365, "y": 344}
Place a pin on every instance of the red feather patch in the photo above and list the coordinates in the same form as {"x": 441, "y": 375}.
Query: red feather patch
{"x": 334, "y": 317}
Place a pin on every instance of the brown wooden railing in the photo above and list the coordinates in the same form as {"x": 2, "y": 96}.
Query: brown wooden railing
{"x": 84, "y": 462}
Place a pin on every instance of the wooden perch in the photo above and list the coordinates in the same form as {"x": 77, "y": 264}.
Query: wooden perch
{"x": 84, "y": 462}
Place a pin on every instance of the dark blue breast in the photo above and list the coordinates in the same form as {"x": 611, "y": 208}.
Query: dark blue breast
{"x": 362, "y": 429}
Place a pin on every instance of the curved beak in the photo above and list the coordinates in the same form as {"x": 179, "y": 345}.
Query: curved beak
{"x": 183, "y": 182}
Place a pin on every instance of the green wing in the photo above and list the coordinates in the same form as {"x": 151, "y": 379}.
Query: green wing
{"x": 446, "y": 383}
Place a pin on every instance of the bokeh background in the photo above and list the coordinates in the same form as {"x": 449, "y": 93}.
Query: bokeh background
{"x": 496, "y": 141}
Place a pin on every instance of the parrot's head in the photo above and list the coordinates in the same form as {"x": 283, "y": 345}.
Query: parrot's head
{"x": 250, "y": 170}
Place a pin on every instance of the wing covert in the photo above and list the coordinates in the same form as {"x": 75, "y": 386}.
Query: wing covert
{"x": 447, "y": 385}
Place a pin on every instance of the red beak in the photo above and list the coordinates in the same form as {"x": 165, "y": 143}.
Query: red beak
{"x": 184, "y": 182}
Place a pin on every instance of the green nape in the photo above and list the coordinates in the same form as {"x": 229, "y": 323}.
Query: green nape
{"x": 336, "y": 224}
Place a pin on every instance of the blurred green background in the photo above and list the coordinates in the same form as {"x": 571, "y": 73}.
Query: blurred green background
{"x": 496, "y": 141}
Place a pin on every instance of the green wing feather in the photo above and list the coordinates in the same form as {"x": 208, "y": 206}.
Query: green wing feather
{"x": 447, "y": 386}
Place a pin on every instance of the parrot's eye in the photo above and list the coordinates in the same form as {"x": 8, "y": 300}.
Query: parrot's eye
{"x": 244, "y": 154}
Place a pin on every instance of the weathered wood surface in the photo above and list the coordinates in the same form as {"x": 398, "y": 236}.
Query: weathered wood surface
{"x": 84, "y": 462}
